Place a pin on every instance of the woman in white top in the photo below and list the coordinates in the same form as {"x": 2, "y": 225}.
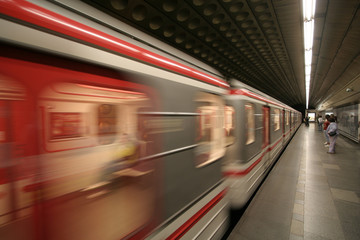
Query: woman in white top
{"x": 332, "y": 132}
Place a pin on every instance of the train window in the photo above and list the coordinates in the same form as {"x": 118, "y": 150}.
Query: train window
{"x": 210, "y": 129}
{"x": 106, "y": 123}
{"x": 250, "y": 123}
{"x": 77, "y": 115}
{"x": 229, "y": 124}
{"x": 66, "y": 125}
{"x": 276, "y": 119}
{"x": 287, "y": 115}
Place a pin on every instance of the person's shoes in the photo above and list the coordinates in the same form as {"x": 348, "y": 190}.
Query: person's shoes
{"x": 330, "y": 152}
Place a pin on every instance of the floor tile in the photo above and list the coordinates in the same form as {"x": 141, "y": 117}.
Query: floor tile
{"x": 309, "y": 195}
{"x": 331, "y": 166}
{"x": 345, "y": 195}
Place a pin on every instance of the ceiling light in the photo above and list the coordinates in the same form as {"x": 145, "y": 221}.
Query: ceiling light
{"x": 308, "y": 16}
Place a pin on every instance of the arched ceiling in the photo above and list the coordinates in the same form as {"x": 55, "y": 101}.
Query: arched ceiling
{"x": 259, "y": 42}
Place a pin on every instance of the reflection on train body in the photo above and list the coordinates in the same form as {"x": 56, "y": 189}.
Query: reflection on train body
{"x": 84, "y": 169}
{"x": 105, "y": 137}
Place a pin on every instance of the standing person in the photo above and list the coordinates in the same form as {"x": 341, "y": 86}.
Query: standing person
{"x": 306, "y": 121}
{"x": 332, "y": 131}
{"x": 320, "y": 123}
{"x": 326, "y": 124}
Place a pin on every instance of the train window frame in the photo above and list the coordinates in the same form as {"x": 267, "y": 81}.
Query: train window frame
{"x": 276, "y": 119}
{"x": 266, "y": 126}
{"x": 229, "y": 124}
{"x": 211, "y": 140}
{"x": 106, "y": 135}
{"x": 67, "y": 121}
{"x": 287, "y": 116}
{"x": 250, "y": 123}
{"x": 67, "y": 97}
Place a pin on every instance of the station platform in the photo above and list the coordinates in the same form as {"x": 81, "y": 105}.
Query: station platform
{"x": 308, "y": 194}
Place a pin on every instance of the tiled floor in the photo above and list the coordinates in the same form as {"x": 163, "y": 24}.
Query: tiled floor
{"x": 309, "y": 194}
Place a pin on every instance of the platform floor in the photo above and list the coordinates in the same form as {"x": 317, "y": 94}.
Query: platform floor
{"x": 309, "y": 194}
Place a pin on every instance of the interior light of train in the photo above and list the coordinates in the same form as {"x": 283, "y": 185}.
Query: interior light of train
{"x": 110, "y": 89}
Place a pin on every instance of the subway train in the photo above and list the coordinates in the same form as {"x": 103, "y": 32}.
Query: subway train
{"x": 104, "y": 136}
{"x": 262, "y": 131}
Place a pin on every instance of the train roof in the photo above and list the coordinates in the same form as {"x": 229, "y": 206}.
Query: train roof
{"x": 239, "y": 88}
{"x": 56, "y": 23}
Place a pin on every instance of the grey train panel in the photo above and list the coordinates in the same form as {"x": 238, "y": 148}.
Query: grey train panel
{"x": 247, "y": 152}
{"x": 179, "y": 109}
{"x": 274, "y": 135}
{"x": 239, "y": 150}
{"x": 182, "y": 191}
{"x": 287, "y": 127}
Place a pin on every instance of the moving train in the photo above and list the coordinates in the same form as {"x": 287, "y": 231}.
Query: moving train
{"x": 262, "y": 131}
{"x": 103, "y": 136}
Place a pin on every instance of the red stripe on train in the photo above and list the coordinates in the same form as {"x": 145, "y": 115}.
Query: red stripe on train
{"x": 246, "y": 171}
{"x": 248, "y": 93}
{"x": 288, "y": 132}
{"x": 274, "y": 145}
{"x": 39, "y": 16}
{"x": 181, "y": 231}
{"x": 252, "y": 166}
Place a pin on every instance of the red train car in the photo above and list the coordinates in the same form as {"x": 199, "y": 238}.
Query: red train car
{"x": 103, "y": 137}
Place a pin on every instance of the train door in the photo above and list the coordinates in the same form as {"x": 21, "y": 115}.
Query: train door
{"x": 266, "y": 127}
{"x": 6, "y": 184}
{"x": 70, "y": 163}
{"x": 210, "y": 135}
{"x": 287, "y": 126}
{"x": 95, "y": 183}
{"x": 292, "y": 120}
{"x": 15, "y": 166}
{"x": 283, "y": 123}
{"x": 266, "y": 134}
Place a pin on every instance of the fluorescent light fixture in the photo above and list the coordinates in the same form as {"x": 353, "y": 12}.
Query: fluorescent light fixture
{"x": 309, "y": 9}
{"x": 308, "y": 58}
{"x": 309, "y": 34}
{"x": 308, "y": 16}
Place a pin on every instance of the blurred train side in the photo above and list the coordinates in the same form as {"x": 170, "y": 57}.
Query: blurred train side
{"x": 100, "y": 138}
{"x": 105, "y": 137}
{"x": 263, "y": 127}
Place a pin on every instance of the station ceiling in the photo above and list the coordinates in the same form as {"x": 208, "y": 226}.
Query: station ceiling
{"x": 260, "y": 42}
